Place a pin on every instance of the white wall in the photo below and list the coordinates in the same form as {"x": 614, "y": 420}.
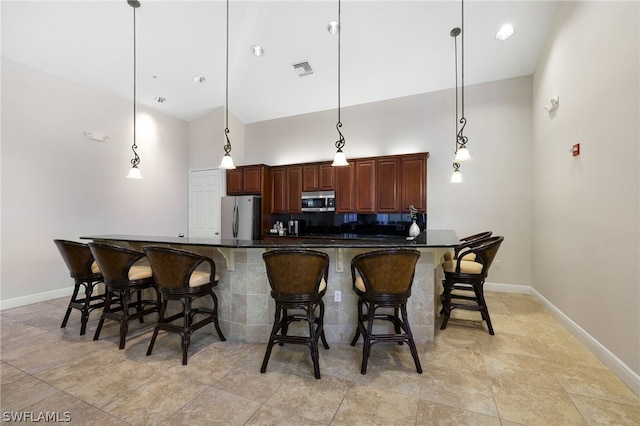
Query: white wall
{"x": 496, "y": 193}
{"x": 56, "y": 183}
{"x": 586, "y": 209}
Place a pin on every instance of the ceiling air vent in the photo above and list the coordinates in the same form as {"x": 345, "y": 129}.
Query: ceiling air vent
{"x": 303, "y": 69}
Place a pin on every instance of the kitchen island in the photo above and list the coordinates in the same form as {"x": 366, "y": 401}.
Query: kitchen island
{"x": 245, "y": 306}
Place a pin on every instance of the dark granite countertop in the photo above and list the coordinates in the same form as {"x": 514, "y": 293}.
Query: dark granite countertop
{"x": 428, "y": 238}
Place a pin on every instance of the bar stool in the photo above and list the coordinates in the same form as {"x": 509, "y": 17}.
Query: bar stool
{"x": 85, "y": 273}
{"x": 464, "y": 279}
{"x": 124, "y": 273}
{"x": 298, "y": 280}
{"x": 383, "y": 279}
{"x": 464, "y": 242}
{"x": 183, "y": 276}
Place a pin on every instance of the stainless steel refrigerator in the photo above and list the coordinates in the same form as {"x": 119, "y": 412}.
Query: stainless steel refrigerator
{"x": 240, "y": 217}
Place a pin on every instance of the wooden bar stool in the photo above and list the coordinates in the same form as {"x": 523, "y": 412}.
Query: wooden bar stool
{"x": 183, "y": 276}
{"x": 298, "y": 280}
{"x": 383, "y": 279}
{"x": 125, "y": 273}
{"x": 464, "y": 279}
{"x": 85, "y": 273}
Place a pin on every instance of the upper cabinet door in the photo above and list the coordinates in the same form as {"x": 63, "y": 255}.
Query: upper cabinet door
{"x": 234, "y": 182}
{"x": 310, "y": 177}
{"x": 278, "y": 190}
{"x": 344, "y": 189}
{"x": 252, "y": 180}
{"x": 388, "y": 186}
{"x": 414, "y": 181}
{"x": 365, "y": 188}
{"x": 294, "y": 189}
{"x": 326, "y": 177}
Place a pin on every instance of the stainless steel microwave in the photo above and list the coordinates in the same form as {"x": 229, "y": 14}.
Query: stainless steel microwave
{"x": 319, "y": 201}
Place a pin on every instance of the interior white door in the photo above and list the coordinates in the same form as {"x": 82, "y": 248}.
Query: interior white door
{"x": 204, "y": 203}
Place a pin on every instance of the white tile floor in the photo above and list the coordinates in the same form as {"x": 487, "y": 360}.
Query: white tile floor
{"x": 532, "y": 372}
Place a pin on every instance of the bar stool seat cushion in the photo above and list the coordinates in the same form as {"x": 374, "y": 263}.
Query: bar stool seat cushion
{"x": 466, "y": 267}
{"x": 202, "y": 275}
{"x": 199, "y": 278}
{"x": 139, "y": 272}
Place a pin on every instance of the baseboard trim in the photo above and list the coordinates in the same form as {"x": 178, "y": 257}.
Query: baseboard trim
{"x": 620, "y": 369}
{"x": 16, "y": 302}
{"x": 507, "y": 288}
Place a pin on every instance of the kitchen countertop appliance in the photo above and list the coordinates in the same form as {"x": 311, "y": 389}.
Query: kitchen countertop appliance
{"x": 319, "y": 201}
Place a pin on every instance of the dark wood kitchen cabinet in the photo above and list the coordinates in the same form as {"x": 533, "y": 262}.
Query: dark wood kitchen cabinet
{"x": 388, "y": 186}
{"x": 345, "y": 200}
{"x": 385, "y": 184}
{"x": 318, "y": 177}
{"x": 414, "y": 182}
{"x": 365, "y": 186}
{"x": 294, "y": 189}
{"x": 310, "y": 177}
{"x": 326, "y": 177}
{"x": 286, "y": 189}
{"x": 246, "y": 180}
{"x": 278, "y": 190}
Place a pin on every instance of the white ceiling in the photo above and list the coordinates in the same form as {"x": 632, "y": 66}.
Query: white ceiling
{"x": 389, "y": 49}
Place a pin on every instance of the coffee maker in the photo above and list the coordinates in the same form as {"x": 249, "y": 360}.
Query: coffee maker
{"x": 293, "y": 227}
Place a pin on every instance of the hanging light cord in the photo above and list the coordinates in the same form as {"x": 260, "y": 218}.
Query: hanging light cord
{"x": 227, "y": 146}
{"x": 454, "y": 33}
{"x": 340, "y": 142}
{"x": 136, "y": 159}
{"x": 461, "y": 139}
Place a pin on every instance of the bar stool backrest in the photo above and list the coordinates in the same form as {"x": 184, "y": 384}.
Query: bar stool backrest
{"x": 387, "y": 272}
{"x": 296, "y": 273}
{"x": 173, "y": 268}
{"x": 115, "y": 262}
{"x": 77, "y": 257}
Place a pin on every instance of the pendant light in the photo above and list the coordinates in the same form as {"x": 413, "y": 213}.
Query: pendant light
{"x": 227, "y": 161}
{"x": 134, "y": 173}
{"x": 461, "y": 151}
{"x": 340, "y": 159}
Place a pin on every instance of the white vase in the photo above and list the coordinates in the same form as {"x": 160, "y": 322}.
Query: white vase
{"x": 414, "y": 229}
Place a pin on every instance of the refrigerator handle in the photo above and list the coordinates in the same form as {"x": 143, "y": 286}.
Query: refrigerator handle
{"x": 235, "y": 221}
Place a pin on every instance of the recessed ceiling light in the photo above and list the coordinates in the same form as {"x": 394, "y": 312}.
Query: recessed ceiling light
{"x": 505, "y": 32}
{"x": 257, "y": 50}
{"x": 199, "y": 78}
{"x": 160, "y": 99}
{"x": 333, "y": 27}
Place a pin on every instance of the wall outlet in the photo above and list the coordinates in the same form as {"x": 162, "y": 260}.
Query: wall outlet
{"x": 498, "y": 263}
{"x": 337, "y": 296}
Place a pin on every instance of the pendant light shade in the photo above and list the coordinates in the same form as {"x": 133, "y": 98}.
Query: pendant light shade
{"x": 134, "y": 173}
{"x": 456, "y": 176}
{"x": 462, "y": 155}
{"x": 227, "y": 161}
{"x": 340, "y": 158}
